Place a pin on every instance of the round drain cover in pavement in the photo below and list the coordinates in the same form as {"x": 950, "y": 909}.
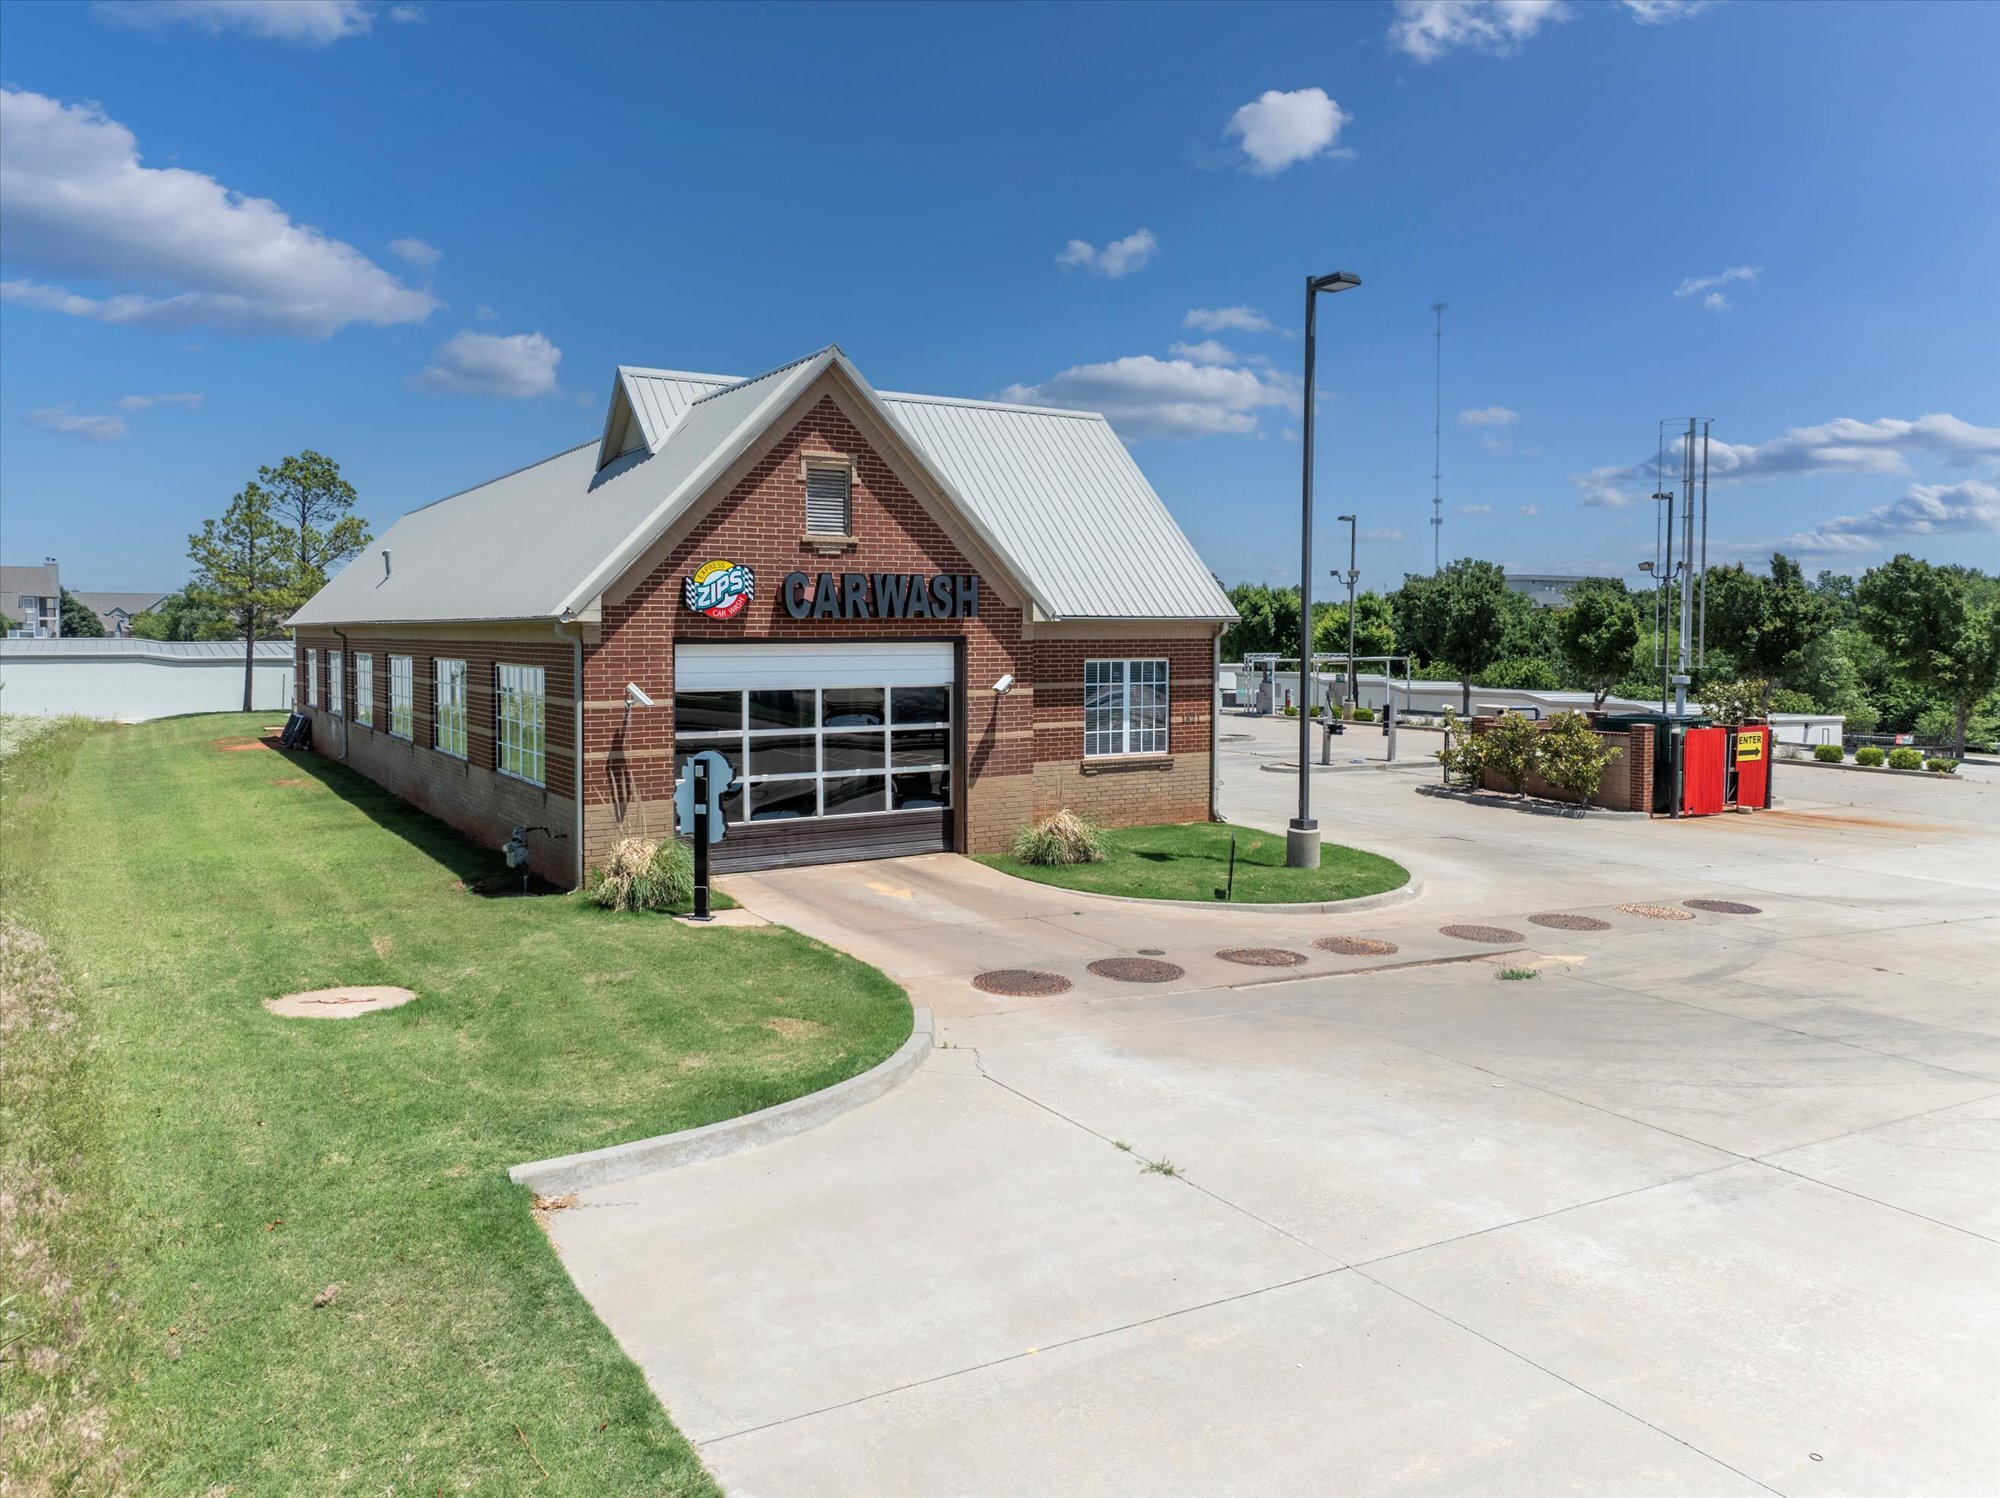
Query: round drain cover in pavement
{"x": 1021, "y": 982}
{"x": 1356, "y": 946}
{"x": 1561, "y": 922}
{"x": 1481, "y": 933}
{"x": 1137, "y": 969}
{"x": 1261, "y": 956}
{"x": 1657, "y": 912}
{"x": 1723, "y": 907}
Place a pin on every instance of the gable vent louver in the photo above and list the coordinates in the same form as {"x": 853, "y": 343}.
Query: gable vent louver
{"x": 827, "y": 501}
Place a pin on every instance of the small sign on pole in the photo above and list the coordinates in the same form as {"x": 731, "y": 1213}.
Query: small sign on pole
{"x": 707, "y": 778}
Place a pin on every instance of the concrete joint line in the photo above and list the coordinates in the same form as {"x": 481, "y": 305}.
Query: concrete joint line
{"x": 640, "y": 1157}
{"x": 1387, "y": 967}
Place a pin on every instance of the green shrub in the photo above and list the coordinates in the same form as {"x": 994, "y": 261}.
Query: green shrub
{"x": 1735, "y": 701}
{"x": 1906, "y": 759}
{"x": 1512, "y": 748}
{"x": 1829, "y": 754}
{"x": 1942, "y": 766}
{"x": 1064, "y": 838}
{"x": 1364, "y": 715}
{"x": 645, "y": 875}
{"x": 1571, "y": 756}
{"x": 1463, "y": 756}
{"x": 1290, "y": 711}
{"x": 1870, "y": 755}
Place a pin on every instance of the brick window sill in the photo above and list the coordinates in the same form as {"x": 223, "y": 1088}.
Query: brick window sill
{"x": 1118, "y": 764}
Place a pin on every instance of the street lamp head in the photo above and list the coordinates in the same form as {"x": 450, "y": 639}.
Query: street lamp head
{"x": 1645, "y": 566}
{"x": 1348, "y": 518}
{"x": 1340, "y": 280}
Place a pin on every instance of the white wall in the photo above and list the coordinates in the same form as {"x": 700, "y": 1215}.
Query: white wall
{"x": 132, "y": 689}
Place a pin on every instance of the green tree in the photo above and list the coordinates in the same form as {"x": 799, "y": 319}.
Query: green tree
{"x": 1597, "y": 635}
{"x": 1766, "y": 623}
{"x": 1457, "y": 617}
{"x": 183, "y": 616}
{"x": 79, "y": 619}
{"x": 1931, "y": 624}
{"x": 313, "y": 505}
{"x": 244, "y": 568}
{"x": 1374, "y": 626}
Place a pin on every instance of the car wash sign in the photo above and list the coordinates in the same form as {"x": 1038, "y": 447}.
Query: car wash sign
{"x": 881, "y": 595}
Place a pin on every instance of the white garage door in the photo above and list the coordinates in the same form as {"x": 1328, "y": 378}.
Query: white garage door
{"x": 842, "y": 751}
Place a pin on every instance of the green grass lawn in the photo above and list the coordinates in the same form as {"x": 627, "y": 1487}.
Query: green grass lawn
{"x": 215, "y": 1168}
{"x": 1190, "y": 861}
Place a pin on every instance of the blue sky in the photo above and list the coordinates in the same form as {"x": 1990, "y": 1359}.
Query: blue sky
{"x": 419, "y": 238}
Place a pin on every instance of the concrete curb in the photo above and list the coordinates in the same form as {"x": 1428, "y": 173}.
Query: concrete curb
{"x": 1394, "y": 896}
{"x": 623, "y": 1162}
{"x": 1532, "y": 807}
{"x": 1820, "y": 764}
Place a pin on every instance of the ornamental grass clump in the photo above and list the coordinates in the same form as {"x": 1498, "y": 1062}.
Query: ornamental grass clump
{"x": 1064, "y": 838}
{"x": 646, "y": 875}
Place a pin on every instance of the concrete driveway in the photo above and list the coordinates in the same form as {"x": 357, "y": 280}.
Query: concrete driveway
{"x": 1707, "y": 1207}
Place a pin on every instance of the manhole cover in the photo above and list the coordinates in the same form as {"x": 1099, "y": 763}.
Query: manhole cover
{"x": 1261, "y": 956}
{"x": 1137, "y": 969}
{"x": 1657, "y": 912}
{"x": 1356, "y": 946}
{"x": 1562, "y": 922}
{"x": 1021, "y": 982}
{"x": 338, "y": 1003}
{"x": 1481, "y": 933}
{"x": 1723, "y": 907}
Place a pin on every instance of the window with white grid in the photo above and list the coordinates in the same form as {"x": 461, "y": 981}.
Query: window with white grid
{"x": 829, "y": 499}
{"x": 312, "y": 678}
{"x": 520, "y": 722}
{"x": 402, "y": 678}
{"x": 1124, "y": 707}
{"x": 449, "y": 677}
{"x": 336, "y": 684}
{"x": 364, "y": 688}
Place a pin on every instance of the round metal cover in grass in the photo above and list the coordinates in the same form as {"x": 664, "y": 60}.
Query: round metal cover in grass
{"x": 1356, "y": 946}
{"x": 1657, "y": 912}
{"x": 1724, "y": 907}
{"x": 1481, "y": 933}
{"x": 1021, "y": 983}
{"x": 1261, "y": 956}
{"x": 1562, "y": 922}
{"x": 1137, "y": 969}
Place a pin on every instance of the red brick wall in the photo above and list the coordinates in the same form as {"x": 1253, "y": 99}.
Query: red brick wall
{"x": 469, "y": 794}
{"x": 1628, "y": 779}
{"x": 628, "y": 761}
{"x": 1123, "y": 792}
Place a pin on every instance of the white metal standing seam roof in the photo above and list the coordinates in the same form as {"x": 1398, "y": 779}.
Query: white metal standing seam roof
{"x": 1054, "y": 493}
{"x": 87, "y": 647}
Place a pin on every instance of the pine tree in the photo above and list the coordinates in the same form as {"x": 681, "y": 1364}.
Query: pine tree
{"x": 244, "y": 566}
{"x": 312, "y": 505}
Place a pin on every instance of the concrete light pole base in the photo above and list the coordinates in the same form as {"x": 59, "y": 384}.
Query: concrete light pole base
{"x": 1302, "y": 847}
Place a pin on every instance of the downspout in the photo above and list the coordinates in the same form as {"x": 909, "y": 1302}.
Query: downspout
{"x": 1215, "y": 725}
{"x": 563, "y": 630}
{"x": 346, "y": 717}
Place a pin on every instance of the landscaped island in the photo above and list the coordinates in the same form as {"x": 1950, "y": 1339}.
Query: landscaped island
{"x": 1190, "y": 861}
{"x": 284, "y": 1255}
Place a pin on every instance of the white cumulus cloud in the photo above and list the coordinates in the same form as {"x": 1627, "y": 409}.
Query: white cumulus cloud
{"x": 77, "y": 203}
{"x": 1277, "y": 129}
{"x": 1924, "y": 510}
{"x": 1427, "y": 29}
{"x": 508, "y": 366}
{"x": 1226, "y": 320}
{"x": 1531, "y": 509}
{"x": 1119, "y": 258}
{"x": 312, "y": 23}
{"x": 72, "y": 423}
{"x": 1208, "y": 351}
{"x": 1664, "y": 12}
{"x": 1488, "y": 416}
{"x": 1147, "y": 397}
{"x": 187, "y": 400}
{"x": 416, "y": 252}
{"x": 1709, "y": 288}
{"x": 1475, "y": 509}
{"x": 1388, "y": 534}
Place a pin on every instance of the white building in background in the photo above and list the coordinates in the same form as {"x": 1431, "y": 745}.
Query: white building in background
{"x": 130, "y": 681}
{"x": 1549, "y": 590}
{"x": 32, "y": 598}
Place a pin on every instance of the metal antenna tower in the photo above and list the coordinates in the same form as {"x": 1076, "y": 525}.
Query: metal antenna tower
{"x": 1437, "y": 446}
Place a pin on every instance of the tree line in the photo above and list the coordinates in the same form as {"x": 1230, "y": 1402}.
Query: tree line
{"x": 1907, "y": 647}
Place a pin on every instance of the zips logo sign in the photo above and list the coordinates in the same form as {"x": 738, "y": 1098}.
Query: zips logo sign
{"x": 719, "y": 589}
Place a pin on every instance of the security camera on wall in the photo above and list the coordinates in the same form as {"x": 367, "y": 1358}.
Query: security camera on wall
{"x": 635, "y": 695}
{"x": 1004, "y": 685}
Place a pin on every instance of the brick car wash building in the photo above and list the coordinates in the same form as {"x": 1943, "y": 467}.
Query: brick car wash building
{"x": 912, "y": 624}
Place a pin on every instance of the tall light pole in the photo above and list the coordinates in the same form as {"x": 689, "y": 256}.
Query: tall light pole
{"x": 1353, "y": 576}
{"x": 1302, "y": 836}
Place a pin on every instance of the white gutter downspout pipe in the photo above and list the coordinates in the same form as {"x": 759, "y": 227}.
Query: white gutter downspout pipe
{"x": 565, "y": 629}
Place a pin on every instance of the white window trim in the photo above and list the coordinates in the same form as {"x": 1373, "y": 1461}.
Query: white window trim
{"x": 312, "y": 678}
{"x": 503, "y": 695}
{"x": 408, "y": 699}
{"x": 1126, "y": 729}
{"x": 364, "y": 688}
{"x": 439, "y": 706}
{"x": 336, "y": 684}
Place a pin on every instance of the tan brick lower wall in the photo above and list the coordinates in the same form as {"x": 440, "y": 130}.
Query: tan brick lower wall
{"x": 998, "y": 805}
{"x": 1125, "y": 793}
{"x": 483, "y": 804}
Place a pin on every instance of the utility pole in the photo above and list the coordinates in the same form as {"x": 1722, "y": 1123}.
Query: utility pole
{"x": 1437, "y": 446}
